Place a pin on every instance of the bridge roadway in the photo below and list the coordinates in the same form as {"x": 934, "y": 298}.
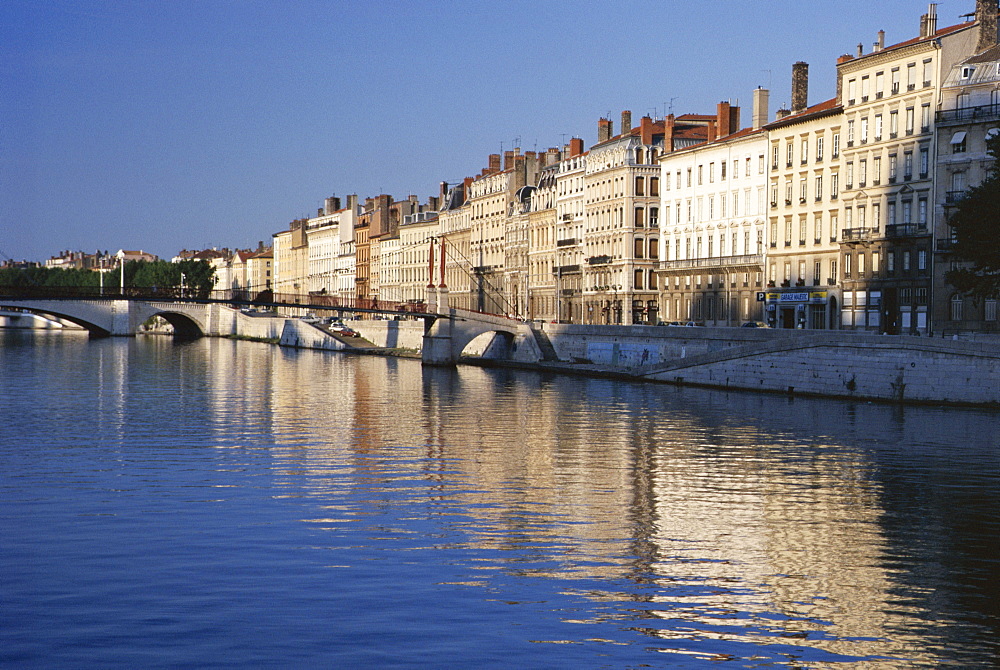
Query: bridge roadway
{"x": 219, "y": 313}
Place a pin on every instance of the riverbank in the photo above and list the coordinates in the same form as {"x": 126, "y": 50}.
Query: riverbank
{"x": 832, "y": 364}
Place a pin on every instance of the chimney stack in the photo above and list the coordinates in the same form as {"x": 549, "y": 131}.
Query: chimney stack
{"x": 646, "y": 130}
{"x": 668, "y": 133}
{"x": 508, "y": 160}
{"x": 494, "y": 163}
{"x": 761, "y": 98}
{"x": 800, "y": 87}
{"x": 604, "y": 130}
{"x": 879, "y": 42}
{"x": 931, "y": 20}
{"x": 986, "y": 16}
{"x": 575, "y": 147}
{"x": 626, "y": 122}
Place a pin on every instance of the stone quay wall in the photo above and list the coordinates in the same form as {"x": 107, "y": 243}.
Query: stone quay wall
{"x": 826, "y": 363}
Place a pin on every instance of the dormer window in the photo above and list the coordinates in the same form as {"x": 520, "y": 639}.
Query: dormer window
{"x": 967, "y": 71}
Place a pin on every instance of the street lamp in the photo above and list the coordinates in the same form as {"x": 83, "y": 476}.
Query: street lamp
{"x": 617, "y": 308}
{"x": 183, "y": 277}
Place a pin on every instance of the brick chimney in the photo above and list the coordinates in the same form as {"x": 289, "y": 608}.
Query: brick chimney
{"x": 494, "y": 163}
{"x": 646, "y": 130}
{"x": 626, "y": 122}
{"x": 668, "y": 133}
{"x": 605, "y": 130}
{"x": 800, "y": 86}
{"x": 986, "y": 16}
{"x": 575, "y": 147}
{"x": 722, "y": 119}
{"x": 761, "y": 100}
{"x": 508, "y": 160}
{"x": 551, "y": 156}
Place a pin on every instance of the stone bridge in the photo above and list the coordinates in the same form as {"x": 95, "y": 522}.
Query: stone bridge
{"x": 446, "y": 335}
{"x": 116, "y": 317}
{"x": 449, "y": 334}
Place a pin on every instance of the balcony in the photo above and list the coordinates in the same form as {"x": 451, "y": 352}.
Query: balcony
{"x": 750, "y": 262}
{"x": 598, "y": 260}
{"x": 568, "y": 242}
{"x": 945, "y": 246}
{"x": 855, "y": 234}
{"x": 969, "y": 114}
{"x": 898, "y": 230}
{"x": 566, "y": 270}
{"x": 954, "y": 197}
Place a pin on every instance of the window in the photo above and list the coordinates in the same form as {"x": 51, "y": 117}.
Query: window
{"x": 876, "y": 261}
{"x": 922, "y": 212}
{"x": 909, "y": 120}
{"x": 789, "y": 152}
{"x": 836, "y": 144}
{"x": 895, "y": 81}
{"x": 893, "y": 124}
{"x": 802, "y": 230}
{"x": 861, "y": 265}
{"x": 908, "y": 165}
{"x": 804, "y": 153}
{"x": 968, "y": 71}
{"x": 640, "y": 186}
{"x": 958, "y": 143}
{"x": 788, "y": 192}
{"x": 878, "y": 127}
{"x": 990, "y": 310}
{"x": 907, "y": 209}
{"x": 852, "y": 90}
{"x": 924, "y": 161}
{"x": 879, "y": 84}
{"x": 906, "y": 261}
{"x": 788, "y": 231}
{"x": 849, "y": 180}
{"x": 833, "y": 228}
{"x": 847, "y": 265}
{"x": 654, "y": 216}
{"x": 701, "y": 171}
{"x": 834, "y": 186}
{"x": 928, "y": 72}
{"x": 639, "y": 217}
{"x": 639, "y": 245}
{"x": 638, "y": 279}
{"x": 819, "y": 148}
{"x": 654, "y": 186}
{"x": 957, "y": 307}
{"x": 722, "y": 167}
{"x": 833, "y": 271}
{"x": 864, "y": 130}
{"x": 925, "y": 117}
{"x": 802, "y": 190}
{"x": 711, "y": 173}
{"x": 876, "y": 215}
{"x": 922, "y": 260}
{"x": 911, "y": 76}
{"x": 818, "y": 229}
{"x": 877, "y": 170}
{"x": 819, "y": 187}
{"x": 892, "y": 167}
{"x": 865, "y": 88}
{"x": 689, "y": 177}
{"x": 817, "y": 273}
{"x": 850, "y": 133}
{"x": 862, "y": 172}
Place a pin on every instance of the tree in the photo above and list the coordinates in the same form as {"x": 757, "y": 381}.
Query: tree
{"x": 976, "y": 224}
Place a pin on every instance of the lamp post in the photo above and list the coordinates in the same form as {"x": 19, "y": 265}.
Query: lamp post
{"x": 183, "y": 277}
{"x": 615, "y": 306}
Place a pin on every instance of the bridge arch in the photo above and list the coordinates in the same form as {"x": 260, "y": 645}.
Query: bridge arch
{"x": 491, "y": 344}
{"x": 96, "y": 327}
{"x": 185, "y": 328}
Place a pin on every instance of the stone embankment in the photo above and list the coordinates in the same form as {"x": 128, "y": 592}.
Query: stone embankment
{"x": 821, "y": 363}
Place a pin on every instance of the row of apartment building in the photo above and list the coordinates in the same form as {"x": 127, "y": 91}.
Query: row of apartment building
{"x": 831, "y": 215}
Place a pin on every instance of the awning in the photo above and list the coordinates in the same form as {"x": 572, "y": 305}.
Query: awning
{"x": 958, "y": 137}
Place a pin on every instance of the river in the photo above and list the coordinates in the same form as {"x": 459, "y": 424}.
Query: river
{"x": 218, "y": 504}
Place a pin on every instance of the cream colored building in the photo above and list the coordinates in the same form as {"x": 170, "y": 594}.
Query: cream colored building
{"x": 540, "y": 288}
{"x": 713, "y": 222}
{"x": 802, "y": 289}
{"x": 889, "y": 97}
{"x": 622, "y": 233}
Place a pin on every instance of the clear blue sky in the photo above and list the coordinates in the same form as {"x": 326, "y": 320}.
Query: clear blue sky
{"x": 170, "y": 124}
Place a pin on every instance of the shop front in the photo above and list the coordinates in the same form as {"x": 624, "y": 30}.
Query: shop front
{"x": 802, "y": 309}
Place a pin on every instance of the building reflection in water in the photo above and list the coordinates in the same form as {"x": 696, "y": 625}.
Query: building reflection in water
{"x": 700, "y": 515}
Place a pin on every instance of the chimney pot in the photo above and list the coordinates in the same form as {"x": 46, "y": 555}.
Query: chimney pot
{"x": 626, "y": 122}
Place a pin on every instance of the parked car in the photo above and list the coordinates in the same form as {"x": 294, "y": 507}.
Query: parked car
{"x": 755, "y": 324}
{"x": 310, "y": 318}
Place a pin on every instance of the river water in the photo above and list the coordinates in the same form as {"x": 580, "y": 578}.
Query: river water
{"x": 220, "y": 504}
